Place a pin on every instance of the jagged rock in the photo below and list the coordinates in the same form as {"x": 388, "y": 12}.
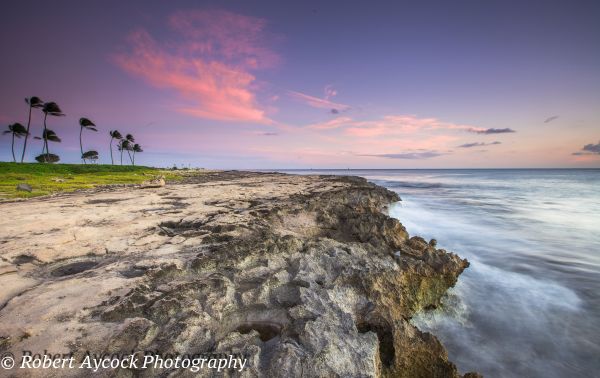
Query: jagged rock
{"x": 304, "y": 275}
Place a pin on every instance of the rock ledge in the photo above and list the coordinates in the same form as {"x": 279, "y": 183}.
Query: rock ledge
{"x": 304, "y": 275}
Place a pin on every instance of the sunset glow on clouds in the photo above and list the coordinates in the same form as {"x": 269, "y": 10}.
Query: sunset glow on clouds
{"x": 209, "y": 64}
{"x": 294, "y": 85}
{"x": 322, "y": 103}
{"x": 211, "y": 67}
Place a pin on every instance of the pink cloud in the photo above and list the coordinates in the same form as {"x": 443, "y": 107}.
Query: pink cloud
{"x": 331, "y": 124}
{"x": 389, "y": 125}
{"x": 317, "y": 102}
{"x": 227, "y": 36}
{"x": 209, "y": 65}
{"x": 424, "y": 142}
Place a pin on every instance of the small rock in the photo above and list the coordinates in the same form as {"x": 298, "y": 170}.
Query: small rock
{"x": 57, "y": 179}
{"x": 432, "y": 243}
{"x": 24, "y": 187}
{"x": 156, "y": 183}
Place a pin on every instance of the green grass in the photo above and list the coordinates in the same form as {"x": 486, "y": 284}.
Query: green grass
{"x": 53, "y": 178}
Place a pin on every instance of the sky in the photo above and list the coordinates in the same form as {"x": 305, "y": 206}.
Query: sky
{"x": 310, "y": 84}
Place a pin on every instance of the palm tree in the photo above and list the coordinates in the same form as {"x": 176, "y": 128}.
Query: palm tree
{"x": 48, "y": 135}
{"x": 47, "y": 158}
{"x": 136, "y": 148}
{"x": 85, "y": 123}
{"x": 17, "y": 130}
{"x": 91, "y": 155}
{"x": 50, "y": 108}
{"x": 123, "y": 145}
{"x": 34, "y": 102}
{"x": 114, "y": 134}
{"x": 131, "y": 141}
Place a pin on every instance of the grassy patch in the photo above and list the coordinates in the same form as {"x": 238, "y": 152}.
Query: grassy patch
{"x": 52, "y": 178}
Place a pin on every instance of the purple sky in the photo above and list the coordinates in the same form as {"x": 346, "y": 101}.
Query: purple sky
{"x": 245, "y": 84}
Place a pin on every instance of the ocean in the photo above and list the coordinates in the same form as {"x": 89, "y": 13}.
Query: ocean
{"x": 529, "y": 304}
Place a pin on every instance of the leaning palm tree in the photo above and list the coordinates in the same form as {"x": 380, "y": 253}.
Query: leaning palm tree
{"x": 131, "y": 141}
{"x": 114, "y": 134}
{"x": 34, "y": 102}
{"x": 48, "y": 135}
{"x": 136, "y": 148}
{"x": 85, "y": 123}
{"x": 17, "y": 130}
{"x": 50, "y": 108}
{"x": 123, "y": 145}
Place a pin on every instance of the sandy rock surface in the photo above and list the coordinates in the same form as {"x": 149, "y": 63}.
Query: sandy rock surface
{"x": 303, "y": 275}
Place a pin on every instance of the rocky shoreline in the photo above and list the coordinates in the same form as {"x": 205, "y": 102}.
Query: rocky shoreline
{"x": 303, "y": 275}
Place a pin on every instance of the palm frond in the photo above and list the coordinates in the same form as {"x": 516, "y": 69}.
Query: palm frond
{"x": 17, "y": 129}
{"x": 116, "y": 134}
{"x": 91, "y": 155}
{"x": 124, "y": 145}
{"x": 34, "y": 102}
{"x": 87, "y": 123}
{"x": 47, "y": 158}
{"x": 52, "y": 108}
{"x": 50, "y": 136}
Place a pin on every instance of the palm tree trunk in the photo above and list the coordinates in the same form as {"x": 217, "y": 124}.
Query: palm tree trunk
{"x": 133, "y": 160}
{"x": 112, "y": 162}
{"x": 13, "y": 147}
{"x": 26, "y": 135}
{"x": 81, "y": 144}
{"x": 45, "y": 145}
{"x": 129, "y": 153}
{"x": 121, "y": 155}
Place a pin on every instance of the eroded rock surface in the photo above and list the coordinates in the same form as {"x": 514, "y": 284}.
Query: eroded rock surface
{"x": 304, "y": 275}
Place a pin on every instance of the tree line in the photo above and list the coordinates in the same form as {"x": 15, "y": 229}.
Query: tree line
{"x": 18, "y": 131}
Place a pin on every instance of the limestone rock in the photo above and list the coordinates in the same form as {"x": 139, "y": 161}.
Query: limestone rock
{"x": 154, "y": 183}
{"x": 304, "y": 275}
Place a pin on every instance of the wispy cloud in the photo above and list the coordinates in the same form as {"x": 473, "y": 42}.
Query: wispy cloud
{"x": 388, "y": 125}
{"x": 410, "y": 155}
{"x": 550, "y": 119}
{"x": 491, "y": 131}
{"x": 209, "y": 64}
{"x": 402, "y": 124}
{"x": 332, "y": 124}
{"x": 589, "y": 149}
{"x": 478, "y": 144}
{"x": 317, "y": 102}
{"x": 265, "y": 133}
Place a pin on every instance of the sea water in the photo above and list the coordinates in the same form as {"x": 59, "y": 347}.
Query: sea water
{"x": 529, "y": 304}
